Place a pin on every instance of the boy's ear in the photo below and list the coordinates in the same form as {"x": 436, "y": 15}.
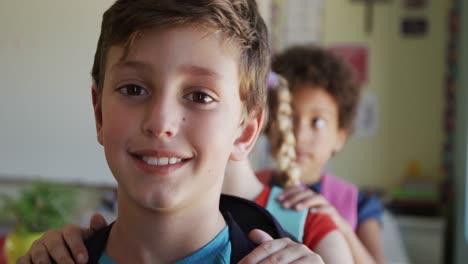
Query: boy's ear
{"x": 341, "y": 139}
{"x": 97, "y": 112}
{"x": 250, "y": 130}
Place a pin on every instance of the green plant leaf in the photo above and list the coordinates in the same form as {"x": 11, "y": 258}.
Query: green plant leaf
{"x": 42, "y": 206}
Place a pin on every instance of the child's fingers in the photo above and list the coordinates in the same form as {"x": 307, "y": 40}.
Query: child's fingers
{"x": 38, "y": 254}
{"x": 97, "y": 222}
{"x": 315, "y": 259}
{"x": 26, "y": 259}
{"x": 58, "y": 245}
{"x": 73, "y": 236}
{"x": 310, "y": 201}
{"x": 282, "y": 250}
{"x": 294, "y": 199}
{"x": 55, "y": 246}
{"x": 264, "y": 250}
{"x": 289, "y": 191}
{"x": 259, "y": 236}
{"x": 294, "y": 253}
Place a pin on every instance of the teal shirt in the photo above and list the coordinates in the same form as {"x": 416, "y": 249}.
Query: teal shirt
{"x": 217, "y": 251}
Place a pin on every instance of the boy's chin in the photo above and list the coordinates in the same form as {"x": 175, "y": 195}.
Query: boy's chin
{"x": 154, "y": 199}
{"x": 159, "y": 203}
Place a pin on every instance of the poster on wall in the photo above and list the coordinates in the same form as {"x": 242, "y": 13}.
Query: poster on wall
{"x": 303, "y": 22}
{"x": 366, "y": 122}
{"x": 292, "y": 22}
{"x": 414, "y": 4}
{"x": 356, "y": 55}
{"x": 414, "y": 26}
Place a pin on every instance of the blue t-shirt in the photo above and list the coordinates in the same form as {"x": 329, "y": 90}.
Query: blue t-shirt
{"x": 369, "y": 206}
{"x": 217, "y": 251}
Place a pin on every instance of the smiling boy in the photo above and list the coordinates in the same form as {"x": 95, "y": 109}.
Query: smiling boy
{"x": 178, "y": 91}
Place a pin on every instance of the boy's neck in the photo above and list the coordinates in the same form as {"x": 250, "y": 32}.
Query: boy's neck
{"x": 145, "y": 236}
{"x": 240, "y": 180}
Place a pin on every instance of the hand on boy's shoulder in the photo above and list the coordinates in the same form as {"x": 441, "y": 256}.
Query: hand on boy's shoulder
{"x": 282, "y": 250}
{"x": 64, "y": 245}
{"x": 300, "y": 198}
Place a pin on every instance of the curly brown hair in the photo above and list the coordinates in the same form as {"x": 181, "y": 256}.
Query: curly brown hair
{"x": 321, "y": 69}
{"x": 238, "y": 20}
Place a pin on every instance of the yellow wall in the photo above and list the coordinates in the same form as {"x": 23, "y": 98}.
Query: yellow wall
{"x": 407, "y": 75}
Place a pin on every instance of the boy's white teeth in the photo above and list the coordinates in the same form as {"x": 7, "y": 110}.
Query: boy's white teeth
{"x": 162, "y": 161}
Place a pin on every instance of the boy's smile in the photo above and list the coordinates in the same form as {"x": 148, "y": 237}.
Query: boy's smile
{"x": 169, "y": 115}
{"x": 159, "y": 162}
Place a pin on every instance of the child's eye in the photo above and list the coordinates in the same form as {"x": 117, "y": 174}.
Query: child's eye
{"x": 133, "y": 90}
{"x": 200, "y": 97}
{"x": 318, "y": 123}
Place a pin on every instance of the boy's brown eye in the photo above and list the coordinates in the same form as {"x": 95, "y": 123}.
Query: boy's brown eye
{"x": 133, "y": 90}
{"x": 200, "y": 97}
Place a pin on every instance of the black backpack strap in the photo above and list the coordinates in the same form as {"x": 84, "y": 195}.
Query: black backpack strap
{"x": 96, "y": 244}
{"x": 240, "y": 243}
{"x": 249, "y": 215}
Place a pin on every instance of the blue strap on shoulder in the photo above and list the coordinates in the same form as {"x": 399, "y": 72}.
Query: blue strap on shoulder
{"x": 291, "y": 220}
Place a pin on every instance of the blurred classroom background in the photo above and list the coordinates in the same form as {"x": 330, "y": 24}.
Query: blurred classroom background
{"x": 410, "y": 140}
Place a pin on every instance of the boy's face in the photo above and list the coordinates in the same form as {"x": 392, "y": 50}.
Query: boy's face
{"x": 316, "y": 129}
{"x": 169, "y": 118}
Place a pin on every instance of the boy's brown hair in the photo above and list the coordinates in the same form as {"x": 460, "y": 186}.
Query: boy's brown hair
{"x": 319, "y": 68}
{"x": 238, "y": 20}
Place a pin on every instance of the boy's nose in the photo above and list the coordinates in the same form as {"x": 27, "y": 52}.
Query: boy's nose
{"x": 161, "y": 120}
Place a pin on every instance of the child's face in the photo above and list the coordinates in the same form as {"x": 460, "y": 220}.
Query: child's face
{"x": 170, "y": 116}
{"x": 316, "y": 129}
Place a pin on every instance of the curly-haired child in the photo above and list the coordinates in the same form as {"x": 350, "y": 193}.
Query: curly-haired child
{"x": 324, "y": 99}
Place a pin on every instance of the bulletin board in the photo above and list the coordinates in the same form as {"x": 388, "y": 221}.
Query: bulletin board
{"x": 292, "y": 22}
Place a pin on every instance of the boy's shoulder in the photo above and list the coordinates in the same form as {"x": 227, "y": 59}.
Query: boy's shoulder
{"x": 241, "y": 215}
{"x": 250, "y": 215}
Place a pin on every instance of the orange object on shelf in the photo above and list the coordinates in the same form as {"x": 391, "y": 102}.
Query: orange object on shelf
{"x": 413, "y": 169}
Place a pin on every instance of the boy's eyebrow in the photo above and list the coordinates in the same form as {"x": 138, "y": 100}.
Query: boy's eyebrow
{"x": 198, "y": 70}
{"x": 185, "y": 69}
{"x": 139, "y": 65}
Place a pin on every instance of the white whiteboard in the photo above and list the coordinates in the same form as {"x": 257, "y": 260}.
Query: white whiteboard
{"x": 46, "y": 120}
